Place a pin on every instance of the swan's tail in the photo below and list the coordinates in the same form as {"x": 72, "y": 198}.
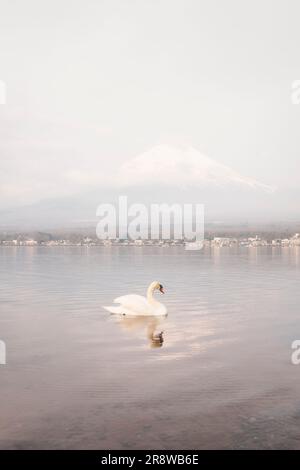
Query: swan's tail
{"x": 117, "y": 310}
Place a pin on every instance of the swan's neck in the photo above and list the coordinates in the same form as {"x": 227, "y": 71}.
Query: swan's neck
{"x": 150, "y": 297}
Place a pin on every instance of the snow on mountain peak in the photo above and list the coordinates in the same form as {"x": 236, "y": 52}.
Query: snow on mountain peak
{"x": 184, "y": 167}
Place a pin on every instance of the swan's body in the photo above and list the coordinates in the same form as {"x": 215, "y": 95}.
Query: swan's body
{"x": 138, "y": 305}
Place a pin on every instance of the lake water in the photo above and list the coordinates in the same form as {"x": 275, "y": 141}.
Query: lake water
{"x": 219, "y": 376}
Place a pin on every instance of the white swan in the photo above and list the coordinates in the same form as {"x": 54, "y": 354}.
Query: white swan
{"x": 138, "y": 305}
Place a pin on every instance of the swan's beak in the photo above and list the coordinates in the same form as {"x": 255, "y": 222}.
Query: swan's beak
{"x": 161, "y": 289}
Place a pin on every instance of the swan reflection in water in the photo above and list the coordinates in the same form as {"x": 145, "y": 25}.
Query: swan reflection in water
{"x": 150, "y": 323}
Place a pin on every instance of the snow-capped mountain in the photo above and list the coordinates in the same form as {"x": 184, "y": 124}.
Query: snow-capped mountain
{"x": 183, "y": 167}
{"x": 163, "y": 174}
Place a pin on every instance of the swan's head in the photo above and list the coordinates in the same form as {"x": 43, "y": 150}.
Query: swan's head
{"x": 157, "y": 286}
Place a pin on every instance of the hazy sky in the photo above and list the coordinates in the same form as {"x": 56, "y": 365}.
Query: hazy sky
{"x": 91, "y": 84}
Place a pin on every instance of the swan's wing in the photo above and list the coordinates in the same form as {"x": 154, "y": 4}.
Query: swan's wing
{"x": 120, "y": 310}
{"x": 113, "y": 309}
{"x": 135, "y": 303}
